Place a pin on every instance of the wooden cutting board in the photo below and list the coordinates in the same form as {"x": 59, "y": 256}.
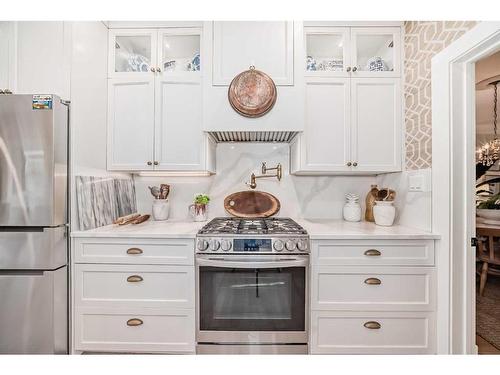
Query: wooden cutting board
{"x": 251, "y": 204}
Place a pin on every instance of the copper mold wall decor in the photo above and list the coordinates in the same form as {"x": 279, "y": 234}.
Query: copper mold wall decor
{"x": 252, "y": 93}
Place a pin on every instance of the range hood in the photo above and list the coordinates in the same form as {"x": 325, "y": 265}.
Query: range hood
{"x": 253, "y": 136}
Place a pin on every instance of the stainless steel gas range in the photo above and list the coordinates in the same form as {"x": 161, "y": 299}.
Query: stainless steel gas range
{"x": 252, "y": 289}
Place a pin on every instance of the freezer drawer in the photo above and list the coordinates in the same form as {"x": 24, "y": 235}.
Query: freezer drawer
{"x": 34, "y": 312}
{"x": 36, "y": 249}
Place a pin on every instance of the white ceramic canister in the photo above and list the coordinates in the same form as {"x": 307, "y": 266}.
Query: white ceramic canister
{"x": 161, "y": 209}
{"x": 384, "y": 213}
{"x": 352, "y": 208}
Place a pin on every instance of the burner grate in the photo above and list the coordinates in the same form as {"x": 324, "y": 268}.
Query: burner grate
{"x": 227, "y": 225}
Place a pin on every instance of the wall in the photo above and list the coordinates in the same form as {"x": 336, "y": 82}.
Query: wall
{"x": 300, "y": 196}
{"x": 423, "y": 39}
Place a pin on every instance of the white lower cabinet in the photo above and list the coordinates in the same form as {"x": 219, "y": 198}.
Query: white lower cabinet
{"x": 373, "y": 297}
{"x": 133, "y": 295}
{"x": 134, "y": 330}
{"x": 359, "y": 332}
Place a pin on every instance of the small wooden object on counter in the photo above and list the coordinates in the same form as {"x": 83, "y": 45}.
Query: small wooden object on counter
{"x": 141, "y": 219}
{"x": 123, "y": 220}
{"x": 370, "y": 202}
{"x": 251, "y": 204}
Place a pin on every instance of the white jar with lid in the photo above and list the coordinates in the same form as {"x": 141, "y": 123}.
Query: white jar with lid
{"x": 352, "y": 208}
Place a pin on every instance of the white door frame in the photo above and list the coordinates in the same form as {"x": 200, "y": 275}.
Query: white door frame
{"x": 453, "y": 181}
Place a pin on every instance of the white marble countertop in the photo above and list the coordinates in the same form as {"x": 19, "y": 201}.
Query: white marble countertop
{"x": 343, "y": 230}
{"x": 317, "y": 229}
{"x": 148, "y": 229}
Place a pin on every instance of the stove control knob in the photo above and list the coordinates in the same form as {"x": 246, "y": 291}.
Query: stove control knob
{"x": 278, "y": 245}
{"x": 214, "y": 245}
{"x": 202, "y": 245}
{"x": 226, "y": 245}
{"x": 290, "y": 245}
{"x": 302, "y": 245}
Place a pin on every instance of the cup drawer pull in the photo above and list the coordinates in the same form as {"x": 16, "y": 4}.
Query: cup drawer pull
{"x": 373, "y": 253}
{"x": 134, "y": 251}
{"x": 372, "y": 325}
{"x": 134, "y": 279}
{"x": 373, "y": 281}
{"x": 134, "y": 322}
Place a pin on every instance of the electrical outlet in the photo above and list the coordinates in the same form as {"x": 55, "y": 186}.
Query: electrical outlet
{"x": 416, "y": 183}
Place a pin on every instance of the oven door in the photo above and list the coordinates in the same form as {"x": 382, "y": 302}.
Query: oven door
{"x": 252, "y": 299}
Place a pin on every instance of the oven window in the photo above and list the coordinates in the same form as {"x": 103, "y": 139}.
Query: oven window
{"x": 233, "y": 299}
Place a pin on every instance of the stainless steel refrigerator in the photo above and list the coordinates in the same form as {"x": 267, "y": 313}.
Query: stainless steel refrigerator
{"x": 33, "y": 224}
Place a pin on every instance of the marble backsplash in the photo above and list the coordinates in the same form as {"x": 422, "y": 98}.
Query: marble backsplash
{"x": 100, "y": 200}
{"x": 311, "y": 197}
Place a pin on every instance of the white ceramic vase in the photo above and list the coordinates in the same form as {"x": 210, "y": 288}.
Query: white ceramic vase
{"x": 384, "y": 213}
{"x": 161, "y": 209}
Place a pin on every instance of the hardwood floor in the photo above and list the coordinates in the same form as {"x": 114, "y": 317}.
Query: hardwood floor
{"x": 484, "y": 347}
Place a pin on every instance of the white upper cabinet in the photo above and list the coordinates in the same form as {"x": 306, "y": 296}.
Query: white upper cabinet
{"x": 7, "y": 56}
{"x": 267, "y": 45}
{"x": 353, "y": 102}
{"x": 43, "y": 57}
{"x": 274, "y": 48}
{"x": 376, "y": 124}
{"x": 376, "y": 52}
{"x": 130, "y": 123}
{"x": 132, "y": 53}
{"x": 327, "y": 51}
{"x": 179, "y": 53}
{"x": 155, "y": 101}
{"x": 326, "y": 138}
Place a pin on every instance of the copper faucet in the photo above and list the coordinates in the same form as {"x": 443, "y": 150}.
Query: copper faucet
{"x": 265, "y": 169}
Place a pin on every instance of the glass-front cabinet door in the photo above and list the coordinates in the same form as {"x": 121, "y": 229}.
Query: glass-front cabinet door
{"x": 132, "y": 53}
{"x": 376, "y": 52}
{"x": 327, "y": 51}
{"x": 179, "y": 53}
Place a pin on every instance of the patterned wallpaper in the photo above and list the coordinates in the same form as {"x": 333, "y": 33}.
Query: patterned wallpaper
{"x": 423, "y": 39}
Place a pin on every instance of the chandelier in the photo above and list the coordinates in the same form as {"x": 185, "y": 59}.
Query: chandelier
{"x": 489, "y": 153}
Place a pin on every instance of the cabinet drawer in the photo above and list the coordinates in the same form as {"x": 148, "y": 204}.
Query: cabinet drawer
{"x": 372, "y": 333}
{"x": 150, "y": 330}
{"x": 134, "y": 286}
{"x": 375, "y": 252}
{"x": 373, "y": 288}
{"x": 134, "y": 251}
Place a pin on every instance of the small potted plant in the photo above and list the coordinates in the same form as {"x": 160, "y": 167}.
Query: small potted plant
{"x": 199, "y": 209}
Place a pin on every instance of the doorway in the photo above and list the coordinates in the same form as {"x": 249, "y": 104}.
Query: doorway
{"x": 454, "y": 183}
{"x": 487, "y": 215}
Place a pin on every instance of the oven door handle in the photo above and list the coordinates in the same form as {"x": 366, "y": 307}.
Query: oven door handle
{"x": 230, "y": 263}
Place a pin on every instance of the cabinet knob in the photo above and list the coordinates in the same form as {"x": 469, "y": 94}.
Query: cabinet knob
{"x": 354, "y": 69}
{"x": 348, "y": 69}
{"x": 349, "y": 163}
{"x": 149, "y": 163}
{"x": 372, "y": 325}
{"x": 156, "y": 163}
{"x": 355, "y": 164}
{"x": 152, "y": 69}
{"x": 158, "y": 70}
{"x": 134, "y": 322}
